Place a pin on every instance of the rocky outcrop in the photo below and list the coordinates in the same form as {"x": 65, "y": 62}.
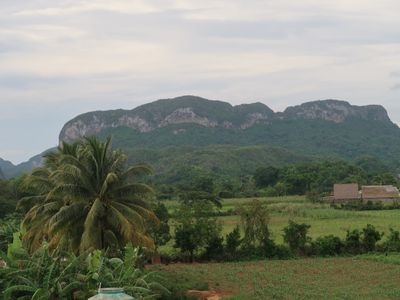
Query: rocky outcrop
{"x": 186, "y": 115}
{"x": 207, "y": 113}
{"x": 161, "y": 113}
{"x": 335, "y": 111}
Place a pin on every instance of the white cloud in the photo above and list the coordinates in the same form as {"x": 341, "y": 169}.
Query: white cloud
{"x": 67, "y": 8}
{"x": 98, "y": 54}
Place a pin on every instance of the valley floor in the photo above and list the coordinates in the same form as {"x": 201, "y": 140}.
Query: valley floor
{"x": 365, "y": 277}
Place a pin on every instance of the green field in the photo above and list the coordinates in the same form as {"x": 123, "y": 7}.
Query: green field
{"x": 311, "y": 278}
{"x": 373, "y": 276}
{"x": 323, "y": 219}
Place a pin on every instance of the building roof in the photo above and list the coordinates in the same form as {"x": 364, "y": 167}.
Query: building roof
{"x": 379, "y": 192}
{"x": 346, "y": 191}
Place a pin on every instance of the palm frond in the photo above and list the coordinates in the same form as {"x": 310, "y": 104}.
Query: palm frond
{"x": 138, "y": 170}
{"x": 91, "y": 237}
{"x": 107, "y": 184}
{"x": 134, "y": 189}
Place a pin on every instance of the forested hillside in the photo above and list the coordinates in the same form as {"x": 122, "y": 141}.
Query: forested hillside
{"x": 222, "y": 139}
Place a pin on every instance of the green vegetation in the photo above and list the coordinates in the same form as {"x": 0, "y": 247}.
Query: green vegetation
{"x": 85, "y": 210}
{"x": 392, "y": 258}
{"x": 316, "y": 178}
{"x": 87, "y": 198}
{"x": 222, "y": 153}
{"x": 10, "y": 192}
{"x": 316, "y": 278}
{"x": 323, "y": 219}
{"x": 46, "y": 275}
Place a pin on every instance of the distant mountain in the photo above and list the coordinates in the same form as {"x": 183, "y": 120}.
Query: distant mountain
{"x": 336, "y": 111}
{"x": 215, "y": 136}
{"x": 2, "y": 176}
{"x": 9, "y": 170}
{"x": 214, "y": 114}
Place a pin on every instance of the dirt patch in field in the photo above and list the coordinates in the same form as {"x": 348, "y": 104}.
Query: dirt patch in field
{"x": 208, "y": 295}
{"x": 231, "y": 222}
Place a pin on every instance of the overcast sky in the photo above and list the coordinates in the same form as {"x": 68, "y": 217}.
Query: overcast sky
{"x": 62, "y": 58}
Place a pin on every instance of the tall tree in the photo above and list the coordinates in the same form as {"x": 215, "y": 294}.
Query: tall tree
{"x": 89, "y": 199}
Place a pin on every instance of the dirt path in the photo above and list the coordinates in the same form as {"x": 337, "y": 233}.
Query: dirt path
{"x": 208, "y": 295}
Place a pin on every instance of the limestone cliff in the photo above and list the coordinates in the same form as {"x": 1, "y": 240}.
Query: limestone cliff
{"x": 214, "y": 114}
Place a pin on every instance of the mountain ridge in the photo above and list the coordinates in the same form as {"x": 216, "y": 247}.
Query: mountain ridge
{"x": 9, "y": 170}
{"x": 232, "y": 139}
{"x": 212, "y": 114}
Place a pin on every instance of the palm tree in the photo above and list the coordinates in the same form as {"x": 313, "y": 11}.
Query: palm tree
{"x": 43, "y": 204}
{"x": 100, "y": 202}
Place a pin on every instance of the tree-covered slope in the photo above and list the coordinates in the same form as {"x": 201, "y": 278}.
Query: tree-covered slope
{"x": 214, "y": 135}
{"x": 173, "y": 163}
{"x": 348, "y": 140}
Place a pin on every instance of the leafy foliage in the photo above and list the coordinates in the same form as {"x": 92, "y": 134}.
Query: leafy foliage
{"x": 392, "y": 242}
{"x": 87, "y": 198}
{"x": 233, "y": 241}
{"x": 254, "y": 219}
{"x": 58, "y": 275}
{"x": 370, "y": 237}
{"x": 8, "y": 226}
{"x": 295, "y": 235}
{"x": 196, "y": 228}
{"x": 160, "y": 231}
{"x": 329, "y": 245}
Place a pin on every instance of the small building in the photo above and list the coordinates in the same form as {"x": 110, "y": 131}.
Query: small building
{"x": 346, "y": 192}
{"x": 380, "y": 192}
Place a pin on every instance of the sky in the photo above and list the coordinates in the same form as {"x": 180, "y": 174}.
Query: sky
{"x": 60, "y": 58}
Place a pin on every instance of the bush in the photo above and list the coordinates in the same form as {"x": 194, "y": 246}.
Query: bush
{"x": 295, "y": 235}
{"x": 370, "y": 237}
{"x": 226, "y": 194}
{"x": 269, "y": 192}
{"x": 196, "y": 227}
{"x": 369, "y": 205}
{"x": 392, "y": 242}
{"x": 214, "y": 248}
{"x": 282, "y": 252}
{"x": 313, "y": 196}
{"x": 353, "y": 242}
{"x": 328, "y": 245}
{"x": 233, "y": 242}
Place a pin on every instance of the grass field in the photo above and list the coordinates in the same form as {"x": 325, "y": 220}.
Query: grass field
{"x": 374, "y": 276}
{"x": 323, "y": 219}
{"x": 365, "y": 277}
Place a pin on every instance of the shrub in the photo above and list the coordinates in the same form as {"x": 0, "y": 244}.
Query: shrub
{"x": 313, "y": 196}
{"x": 226, "y": 194}
{"x": 353, "y": 242}
{"x": 370, "y": 237}
{"x": 233, "y": 242}
{"x": 214, "y": 248}
{"x": 295, "y": 235}
{"x": 392, "y": 242}
{"x": 269, "y": 192}
{"x": 328, "y": 245}
{"x": 187, "y": 239}
{"x": 196, "y": 227}
{"x": 282, "y": 252}
{"x": 369, "y": 205}
{"x": 160, "y": 231}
